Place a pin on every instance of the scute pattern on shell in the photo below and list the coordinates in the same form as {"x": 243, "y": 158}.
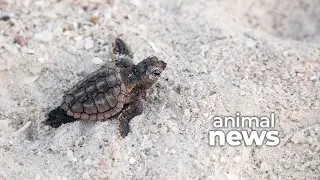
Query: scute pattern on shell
{"x": 97, "y": 97}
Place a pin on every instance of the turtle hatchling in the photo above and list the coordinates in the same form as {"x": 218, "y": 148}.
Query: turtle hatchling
{"x": 110, "y": 91}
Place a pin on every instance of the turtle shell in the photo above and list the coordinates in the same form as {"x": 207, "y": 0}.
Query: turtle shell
{"x": 97, "y": 97}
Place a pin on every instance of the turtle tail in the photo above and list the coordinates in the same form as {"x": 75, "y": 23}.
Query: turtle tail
{"x": 57, "y": 117}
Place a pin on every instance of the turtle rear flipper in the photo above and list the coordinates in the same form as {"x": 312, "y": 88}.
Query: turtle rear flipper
{"x": 121, "y": 48}
{"x": 57, "y": 117}
{"x": 121, "y": 53}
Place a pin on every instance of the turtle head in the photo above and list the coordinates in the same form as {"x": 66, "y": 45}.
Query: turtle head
{"x": 149, "y": 70}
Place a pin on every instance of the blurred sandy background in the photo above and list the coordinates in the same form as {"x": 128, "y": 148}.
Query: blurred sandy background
{"x": 224, "y": 56}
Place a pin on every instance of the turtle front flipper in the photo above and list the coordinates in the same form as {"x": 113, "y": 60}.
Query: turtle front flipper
{"x": 121, "y": 54}
{"x": 129, "y": 112}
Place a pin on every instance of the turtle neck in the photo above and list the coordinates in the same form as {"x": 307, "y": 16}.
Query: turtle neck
{"x": 131, "y": 78}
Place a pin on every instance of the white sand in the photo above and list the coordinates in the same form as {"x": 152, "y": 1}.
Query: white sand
{"x": 253, "y": 57}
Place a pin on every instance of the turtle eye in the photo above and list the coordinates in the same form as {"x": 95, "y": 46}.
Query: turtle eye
{"x": 156, "y": 73}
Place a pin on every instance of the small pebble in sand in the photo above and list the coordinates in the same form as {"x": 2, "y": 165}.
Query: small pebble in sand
{"x": 41, "y": 60}
{"x": 286, "y": 53}
{"x": 38, "y": 177}
{"x": 30, "y": 51}
{"x": 237, "y": 159}
{"x": 22, "y": 129}
{"x": 95, "y": 19}
{"x": 132, "y": 160}
{"x": 88, "y": 161}
{"x": 264, "y": 166}
{"x": 154, "y": 47}
{"x": 97, "y": 60}
{"x": 173, "y": 151}
{"x": 250, "y": 43}
{"x": 20, "y": 40}
{"x": 44, "y": 36}
{"x": 187, "y": 112}
{"x": 3, "y": 124}
{"x": 57, "y": 31}
{"x": 110, "y": 2}
{"x": 298, "y": 138}
{"x": 5, "y": 18}
{"x": 79, "y": 44}
{"x": 10, "y": 48}
{"x": 313, "y": 78}
{"x": 88, "y": 44}
{"x": 80, "y": 141}
{"x": 85, "y": 175}
{"x": 70, "y": 156}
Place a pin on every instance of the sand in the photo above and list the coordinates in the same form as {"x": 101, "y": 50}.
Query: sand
{"x": 254, "y": 57}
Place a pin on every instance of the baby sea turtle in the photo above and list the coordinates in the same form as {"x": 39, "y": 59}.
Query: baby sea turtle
{"x": 110, "y": 91}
